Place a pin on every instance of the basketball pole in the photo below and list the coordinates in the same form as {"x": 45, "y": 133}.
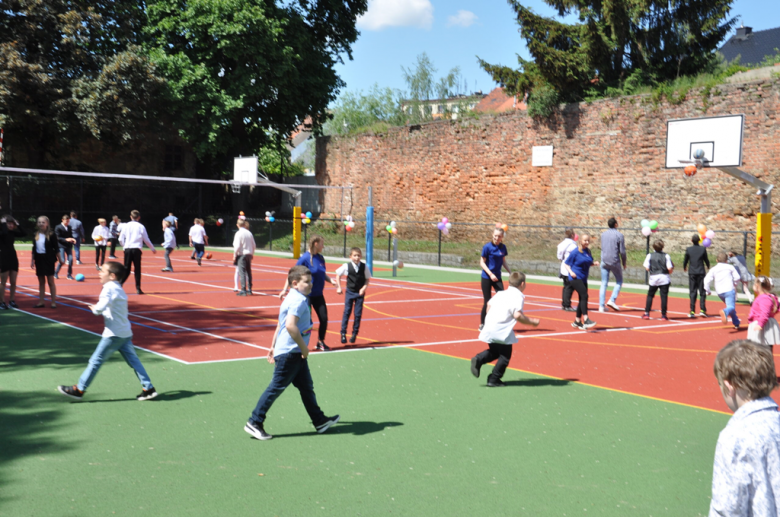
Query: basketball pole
{"x": 370, "y": 231}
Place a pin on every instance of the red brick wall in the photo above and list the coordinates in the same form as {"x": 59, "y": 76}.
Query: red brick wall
{"x": 608, "y": 160}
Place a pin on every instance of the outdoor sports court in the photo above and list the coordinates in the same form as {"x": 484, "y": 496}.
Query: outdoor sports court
{"x": 619, "y": 420}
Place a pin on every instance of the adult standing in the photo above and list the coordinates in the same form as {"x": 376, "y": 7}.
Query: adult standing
{"x": 114, "y": 229}
{"x": 132, "y": 237}
{"x": 78, "y": 233}
{"x": 578, "y": 266}
{"x": 9, "y": 260}
{"x": 44, "y": 255}
{"x": 174, "y": 224}
{"x": 565, "y": 248}
{"x": 314, "y": 260}
{"x": 693, "y": 263}
{"x": 243, "y": 253}
{"x": 613, "y": 255}
{"x": 198, "y": 239}
{"x": 65, "y": 240}
{"x": 491, "y": 261}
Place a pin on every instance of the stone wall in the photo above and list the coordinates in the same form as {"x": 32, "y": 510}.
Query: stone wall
{"x": 608, "y": 161}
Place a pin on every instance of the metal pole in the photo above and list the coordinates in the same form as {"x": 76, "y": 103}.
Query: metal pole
{"x": 305, "y": 234}
{"x": 744, "y": 244}
{"x": 395, "y": 255}
{"x": 389, "y": 243}
{"x": 370, "y": 231}
{"x": 439, "y": 248}
{"x": 647, "y": 251}
{"x": 270, "y": 236}
{"x": 344, "y": 253}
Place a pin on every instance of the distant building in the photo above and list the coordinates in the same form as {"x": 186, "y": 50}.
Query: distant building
{"x": 449, "y": 107}
{"x": 751, "y": 47}
{"x": 498, "y": 101}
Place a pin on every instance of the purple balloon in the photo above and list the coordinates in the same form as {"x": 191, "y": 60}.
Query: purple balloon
{"x": 440, "y": 226}
{"x": 706, "y": 243}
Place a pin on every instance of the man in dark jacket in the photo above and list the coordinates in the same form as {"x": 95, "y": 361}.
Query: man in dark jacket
{"x": 696, "y": 257}
{"x": 64, "y": 235}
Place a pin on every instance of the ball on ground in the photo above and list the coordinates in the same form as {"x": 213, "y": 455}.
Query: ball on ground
{"x": 208, "y": 256}
{"x": 79, "y": 278}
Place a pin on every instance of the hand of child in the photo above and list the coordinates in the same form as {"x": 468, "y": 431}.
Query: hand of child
{"x": 362, "y": 290}
{"x": 573, "y": 274}
{"x": 338, "y": 290}
{"x": 595, "y": 262}
{"x": 281, "y": 294}
{"x": 270, "y": 357}
{"x": 154, "y": 251}
{"x": 304, "y": 352}
{"x": 493, "y": 277}
{"x": 91, "y": 307}
{"x": 534, "y": 321}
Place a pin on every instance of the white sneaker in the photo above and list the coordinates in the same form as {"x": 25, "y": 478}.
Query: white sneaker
{"x": 612, "y": 305}
{"x": 602, "y": 309}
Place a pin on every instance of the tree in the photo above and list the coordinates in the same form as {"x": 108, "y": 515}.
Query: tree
{"x": 357, "y": 111}
{"x": 239, "y": 68}
{"x": 423, "y": 87}
{"x": 614, "y": 40}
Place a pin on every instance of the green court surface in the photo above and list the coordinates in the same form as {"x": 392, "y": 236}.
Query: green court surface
{"x": 418, "y": 436}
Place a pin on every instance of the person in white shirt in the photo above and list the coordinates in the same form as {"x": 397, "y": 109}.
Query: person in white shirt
{"x": 169, "y": 244}
{"x": 504, "y": 310}
{"x": 115, "y": 229}
{"x": 726, "y": 278}
{"x": 132, "y": 237}
{"x": 243, "y": 252}
{"x": 101, "y": 234}
{"x": 566, "y": 246}
{"x": 117, "y": 335}
{"x": 198, "y": 240}
{"x": 358, "y": 277}
{"x": 660, "y": 267}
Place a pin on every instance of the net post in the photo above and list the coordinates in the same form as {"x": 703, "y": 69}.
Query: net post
{"x": 296, "y": 232}
{"x": 744, "y": 244}
{"x": 395, "y": 256}
{"x": 647, "y": 252}
{"x": 439, "y": 260}
{"x": 344, "y": 253}
{"x": 763, "y": 243}
{"x": 370, "y": 231}
{"x": 270, "y": 236}
{"x": 389, "y": 244}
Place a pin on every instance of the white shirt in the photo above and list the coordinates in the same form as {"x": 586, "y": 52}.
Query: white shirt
{"x": 113, "y": 306}
{"x": 564, "y": 248}
{"x": 197, "y": 232}
{"x": 134, "y": 236}
{"x": 661, "y": 278}
{"x": 725, "y": 276}
{"x": 244, "y": 242}
{"x": 40, "y": 244}
{"x": 500, "y": 320}
{"x": 169, "y": 239}
{"x": 101, "y": 231}
{"x": 343, "y": 269}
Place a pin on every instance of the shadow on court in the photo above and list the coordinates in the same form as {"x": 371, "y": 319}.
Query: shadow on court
{"x": 535, "y": 383}
{"x": 357, "y": 428}
{"x": 162, "y": 396}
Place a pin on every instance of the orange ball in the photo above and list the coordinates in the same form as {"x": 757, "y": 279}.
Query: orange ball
{"x": 690, "y": 170}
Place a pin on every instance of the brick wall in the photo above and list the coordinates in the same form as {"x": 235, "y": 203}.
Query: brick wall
{"x": 608, "y": 160}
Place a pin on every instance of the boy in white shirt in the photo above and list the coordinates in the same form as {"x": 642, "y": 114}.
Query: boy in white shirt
{"x": 198, "y": 240}
{"x": 358, "y": 278}
{"x": 169, "y": 244}
{"x": 660, "y": 267}
{"x": 566, "y": 246}
{"x": 117, "y": 335}
{"x": 504, "y": 310}
{"x": 726, "y": 278}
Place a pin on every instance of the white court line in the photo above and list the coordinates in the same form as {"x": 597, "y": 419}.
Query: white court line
{"x": 99, "y": 335}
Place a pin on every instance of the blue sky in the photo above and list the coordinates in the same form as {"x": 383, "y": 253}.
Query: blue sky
{"x": 453, "y": 32}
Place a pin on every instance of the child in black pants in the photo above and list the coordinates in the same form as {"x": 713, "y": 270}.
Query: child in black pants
{"x": 660, "y": 267}
{"x": 358, "y": 277}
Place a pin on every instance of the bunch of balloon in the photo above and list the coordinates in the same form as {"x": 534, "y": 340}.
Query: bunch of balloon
{"x": 648, "y": 228}
{"x": 269, "y": 218}
{"x": 306, "y": 221}
{"x": 392, "y": 231}
{"x": 705, "y": 235}
{"x": 444, "y": 228}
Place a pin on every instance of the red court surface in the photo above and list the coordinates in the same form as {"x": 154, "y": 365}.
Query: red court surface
{"x": 194, "y": 316}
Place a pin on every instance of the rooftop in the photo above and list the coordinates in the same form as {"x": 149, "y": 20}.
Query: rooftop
{"x": 752, "y": 47}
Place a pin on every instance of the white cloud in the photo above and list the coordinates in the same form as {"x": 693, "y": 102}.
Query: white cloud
{"x": 397, "y": 13}
{"x": 462, "y": 19}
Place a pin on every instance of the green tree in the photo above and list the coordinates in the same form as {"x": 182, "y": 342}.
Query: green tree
{"x": 355, "y": 112}
{"x": 423, "y": 86}
{"x": 239, "y": 68}
{"x": 614, "y": 40}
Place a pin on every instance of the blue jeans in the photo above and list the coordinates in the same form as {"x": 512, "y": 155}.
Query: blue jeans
{"x": 730, "y": 298}
{"x": 106, "y": 347}
{"x": 352, "y": 298}
{"x": 198, "y": 250}
{"x": 65, "y": 253}
{"x": 290, "y": 368}
{"x": 77, "y": 247}
{"x": 605, "y": 271}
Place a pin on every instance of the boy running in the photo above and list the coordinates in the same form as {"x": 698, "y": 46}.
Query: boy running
{"x": 289, "y": 351}
{"x": 725, "y": 277}
{"x": 117, "y": 335}
{"x": 169, "y": 244}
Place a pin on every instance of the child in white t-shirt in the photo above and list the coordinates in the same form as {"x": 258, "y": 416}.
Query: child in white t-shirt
{"x": 503, "y": 311}
{"x": 198, "y": 240}
{"x": 660, "y": 267}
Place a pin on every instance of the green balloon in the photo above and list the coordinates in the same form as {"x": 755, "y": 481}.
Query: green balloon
{"x": 389, "y": 228}
{"x": 653, "y": 224}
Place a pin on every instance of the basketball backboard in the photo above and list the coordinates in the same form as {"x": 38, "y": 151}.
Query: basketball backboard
{"x": 719, "y": 137}
{"x": 245, "y": 169}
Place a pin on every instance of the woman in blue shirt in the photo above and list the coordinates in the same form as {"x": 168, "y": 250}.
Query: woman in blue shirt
{"x": 492, "y": 260}
{"x": 578, "y": 265}
{"x": 314, "y": 260}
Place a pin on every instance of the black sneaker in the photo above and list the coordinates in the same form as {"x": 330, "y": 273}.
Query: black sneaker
{"x": 3, "y": 306}
{"x": 71, "y": 391}
{"x": 577, "y": 325}
{"x": 257, "y": 431}
{"x": 199, "y": 262}
{"x": 589, "y": 323}
{"x": 343, "y": 338}
{"x": 97, "y": 267}
{"x": 167, "y": 270}
{"x": 570, "y": 309}
{"x": 13, "y": 304}
{"x": 692, "y": 314}
{"x": 322, "y": 346}
{"x": 481, "y": 326}
{"x": 475, "y": 366}
{"x": 353, "y": 338}
{"x": 147, "y": 394}
{"x": 703, "y": 314}
{"x": 241, "y": 293}
{"x": 56, "y": 276}
{"x": 329, "y": 422}
{"x": 70, "y": 277}
{"x": 496, "y": 384}
{"x": 138, "y": 291}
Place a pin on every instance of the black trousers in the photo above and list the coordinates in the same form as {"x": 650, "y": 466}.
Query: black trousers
{"x": 496, "y": 351}
{"x": 581, "y": 287}
{"x": 568, "y": 290}
{"x": 114, "y": 241}
{"x": 317, "y": 304}
{"x": 696, "y": 287}
{"x": 664, "y": 297}
{"x": 133, "y": 257}
{"x": 352, "y": 298}
{"x": 487, "y": 284}
{"x": 100, "y": 255}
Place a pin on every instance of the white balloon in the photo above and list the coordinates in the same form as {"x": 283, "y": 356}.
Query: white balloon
{"x": 646, "y": 231}
{"x": 448, "y": 225}
{"x": 352, "y": 224}
{"x": 392, "y": 224}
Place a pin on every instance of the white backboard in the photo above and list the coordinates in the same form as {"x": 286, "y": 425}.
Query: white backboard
{"x": 245, "y": 169}
{"x": 719, "y": 137}
{"x": 542, "y": 156}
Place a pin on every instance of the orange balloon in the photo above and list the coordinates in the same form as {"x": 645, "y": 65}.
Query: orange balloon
{"x": 701, "y": 228}
{"x": 504, "y": 227}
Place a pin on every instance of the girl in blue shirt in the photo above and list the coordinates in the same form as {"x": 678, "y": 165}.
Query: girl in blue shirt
{"x": 578, "y": 265}
{"x": 314, "y": 260}
{"x": 492, "y": 260}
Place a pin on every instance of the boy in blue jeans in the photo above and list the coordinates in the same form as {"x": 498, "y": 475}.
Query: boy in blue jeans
{"x": 289, "y": 351}
{"x": 726, "y": 278}
{"x": 117, "y": 335}
{"x": 746, "y": 470}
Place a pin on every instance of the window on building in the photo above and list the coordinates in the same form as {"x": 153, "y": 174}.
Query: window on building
{"x": 174, "y": 158}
